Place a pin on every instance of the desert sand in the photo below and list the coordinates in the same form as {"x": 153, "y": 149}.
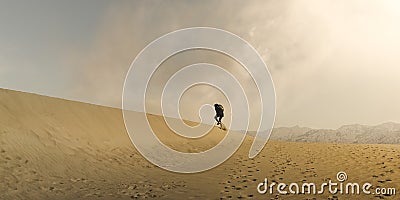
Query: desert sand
{"x": 58, "y": 149}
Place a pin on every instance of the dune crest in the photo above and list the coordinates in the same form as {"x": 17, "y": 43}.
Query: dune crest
{"x": 58, "y": 149}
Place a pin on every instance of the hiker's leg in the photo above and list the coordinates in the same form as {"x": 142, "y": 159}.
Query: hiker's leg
{"x": 216, "y": 118}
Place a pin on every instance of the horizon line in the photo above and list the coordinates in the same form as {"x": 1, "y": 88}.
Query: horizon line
{"x": 113, "y": 107}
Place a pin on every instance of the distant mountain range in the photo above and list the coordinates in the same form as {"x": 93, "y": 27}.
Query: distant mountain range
{"x": 386, "y": 133}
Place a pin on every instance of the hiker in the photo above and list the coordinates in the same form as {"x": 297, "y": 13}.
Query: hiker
{"x": 219, "y": 110}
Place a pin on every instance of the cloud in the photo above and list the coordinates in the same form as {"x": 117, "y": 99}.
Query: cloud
{"x": 333, "y": 62}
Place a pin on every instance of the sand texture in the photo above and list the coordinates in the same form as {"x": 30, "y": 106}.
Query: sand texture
{"x": 57, "y": 149}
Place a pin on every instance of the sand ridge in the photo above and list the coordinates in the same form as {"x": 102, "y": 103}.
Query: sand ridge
{"x": 57, "y": 149}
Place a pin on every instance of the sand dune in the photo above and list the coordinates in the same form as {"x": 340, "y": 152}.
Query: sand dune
{"x": 57, "y": 149}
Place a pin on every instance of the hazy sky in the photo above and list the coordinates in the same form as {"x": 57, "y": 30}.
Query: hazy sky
{"x": 332, "y": 62}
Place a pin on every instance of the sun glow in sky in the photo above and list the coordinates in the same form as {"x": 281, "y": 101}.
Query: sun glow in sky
{"x": 332, "y": 62}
